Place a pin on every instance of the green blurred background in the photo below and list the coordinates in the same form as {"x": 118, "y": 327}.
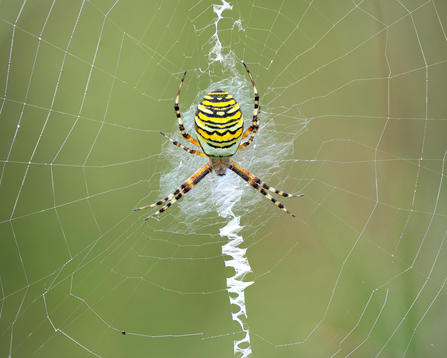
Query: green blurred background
{"x": 356, "y": 89}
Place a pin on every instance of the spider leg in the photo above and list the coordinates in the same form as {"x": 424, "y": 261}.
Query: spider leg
{"x": 179, "y": 117}
{"x": 191, "y": 151}
{"x": 180, "y": 191}
{"x": 262, "y": 183}
{"x": 255, "y": 121}
{"x": 258, "y": 184}
{"x": 253, "y": 128}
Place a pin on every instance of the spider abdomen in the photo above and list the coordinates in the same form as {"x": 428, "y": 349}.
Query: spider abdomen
{"x": 219, "y": 124}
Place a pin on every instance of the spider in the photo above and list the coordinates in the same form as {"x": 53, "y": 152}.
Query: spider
{"x": 220, "y": 129}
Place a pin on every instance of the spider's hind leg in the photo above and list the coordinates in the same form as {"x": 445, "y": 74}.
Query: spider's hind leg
{"x": 180, "y": 191}
{"x": 258, "y": 184}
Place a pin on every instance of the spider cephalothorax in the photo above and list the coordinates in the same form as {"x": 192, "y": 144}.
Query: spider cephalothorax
{"x": 219, "y": 125}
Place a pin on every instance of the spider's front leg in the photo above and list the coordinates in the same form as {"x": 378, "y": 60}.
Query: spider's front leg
{"x": 179, "y": 117}
{"x": 256, "y": 115}
{"x": 253, "y": 129}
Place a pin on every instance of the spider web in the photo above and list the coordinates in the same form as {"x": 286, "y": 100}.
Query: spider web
{"x": 353, "y": 115}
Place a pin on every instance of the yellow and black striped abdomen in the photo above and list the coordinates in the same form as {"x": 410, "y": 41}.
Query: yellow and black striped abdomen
{"x": 219, "y": 124}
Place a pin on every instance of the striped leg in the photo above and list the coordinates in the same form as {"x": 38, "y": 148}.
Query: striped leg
{"x": 255, "y": 121}
{"x": 263, "y": 184}
{"x": 191, "y": 151}
{"x": 179, "y": 117}
{"x": 255, "y": 128}
{"x": 180, "y": 191}
{"x": 258, "y": 184}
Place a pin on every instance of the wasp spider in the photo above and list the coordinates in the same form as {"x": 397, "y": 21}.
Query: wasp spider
{"x": 220, "y": 128}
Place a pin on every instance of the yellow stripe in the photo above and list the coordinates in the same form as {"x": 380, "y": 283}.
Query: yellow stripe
{"x": 234, "y": 109}
{"x": 223, "y": 93}
{"x": 218, "y": 104}
{"x": 204, "y": 109}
